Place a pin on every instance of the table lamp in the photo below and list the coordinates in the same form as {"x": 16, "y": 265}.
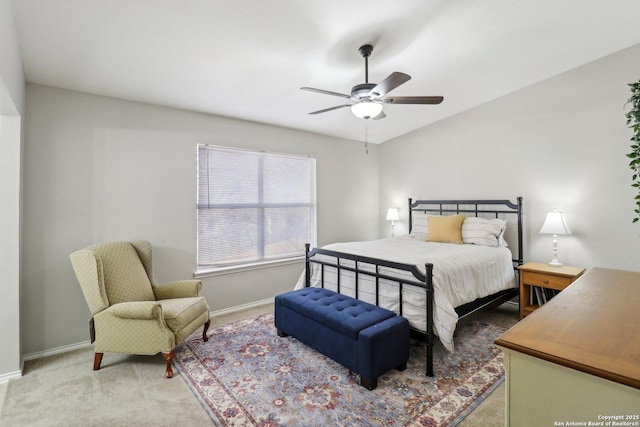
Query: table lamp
{"x": 392, "y": 215}
{"x": 555, "y": 224}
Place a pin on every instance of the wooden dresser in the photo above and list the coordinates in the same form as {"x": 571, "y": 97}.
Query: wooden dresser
{"x": 577, "y": 358}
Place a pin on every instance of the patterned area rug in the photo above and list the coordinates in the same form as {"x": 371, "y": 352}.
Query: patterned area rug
{"x": 246, "y": 375}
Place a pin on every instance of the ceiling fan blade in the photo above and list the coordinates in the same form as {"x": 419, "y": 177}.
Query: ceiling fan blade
{"x": 414, "y": 100}
{"x": 394, "y": 80}
{"x": 382, "y": 115}
{"x": 331, "y": 109}
{"x": 326, "y": 92}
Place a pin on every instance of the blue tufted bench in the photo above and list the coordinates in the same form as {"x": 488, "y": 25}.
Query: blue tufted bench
{"x": 366, "y": 339}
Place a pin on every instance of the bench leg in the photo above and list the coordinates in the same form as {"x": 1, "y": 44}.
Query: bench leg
{"x": 282, "y": 334}
{"x": 368, "y": 383}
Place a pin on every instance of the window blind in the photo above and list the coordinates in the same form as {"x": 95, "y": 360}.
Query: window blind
{"x": 253, "y": 206}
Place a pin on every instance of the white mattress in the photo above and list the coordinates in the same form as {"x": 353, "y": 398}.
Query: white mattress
{"x": 461, "y": 274}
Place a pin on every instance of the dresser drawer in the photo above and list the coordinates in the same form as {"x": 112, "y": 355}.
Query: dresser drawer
{"x": 545, "y": 280}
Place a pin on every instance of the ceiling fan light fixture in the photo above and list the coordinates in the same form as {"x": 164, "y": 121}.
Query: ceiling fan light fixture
{"x": 366, "y": 99}
{"x": 366, "y": 109}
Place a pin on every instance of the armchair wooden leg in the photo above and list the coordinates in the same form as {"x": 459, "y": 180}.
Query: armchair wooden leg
{"x": 168, "y": 356}
{"x": 97, "y": 360}
{"x": 204, "y": 332}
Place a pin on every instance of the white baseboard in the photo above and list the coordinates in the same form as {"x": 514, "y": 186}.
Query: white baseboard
{"x": 5, "y": 378}
{"x": 57, "y": 350}
{"x": 241, "y": 307}
{"x": 86, "y": 344}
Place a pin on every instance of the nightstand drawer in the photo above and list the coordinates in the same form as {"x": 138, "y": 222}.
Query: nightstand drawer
{"x": 535, "y": 277}
{"x": 545, "y": 280}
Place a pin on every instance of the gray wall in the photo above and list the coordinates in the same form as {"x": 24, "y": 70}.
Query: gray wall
{"x": 11, "y": 108}
{"x": 102, "y": 169}
{"x": 559, "y": 144}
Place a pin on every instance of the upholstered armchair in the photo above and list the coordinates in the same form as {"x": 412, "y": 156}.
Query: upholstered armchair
{"x": 130, "y": 314}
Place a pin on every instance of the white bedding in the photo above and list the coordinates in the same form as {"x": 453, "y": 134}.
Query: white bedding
{"x": 461, "y": 274}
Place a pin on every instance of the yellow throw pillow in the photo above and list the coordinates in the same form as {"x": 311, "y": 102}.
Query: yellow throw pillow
{"x": 445, "y": 229}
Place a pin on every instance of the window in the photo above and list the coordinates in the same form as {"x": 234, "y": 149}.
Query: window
{"x": 253, "y": 206}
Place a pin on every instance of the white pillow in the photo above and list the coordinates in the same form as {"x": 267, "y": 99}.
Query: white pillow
{"x": 483, "y": 231}
{"x": 419, "y": 225}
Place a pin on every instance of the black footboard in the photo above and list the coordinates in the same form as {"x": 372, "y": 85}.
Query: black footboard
{"x": 378, "y": 269}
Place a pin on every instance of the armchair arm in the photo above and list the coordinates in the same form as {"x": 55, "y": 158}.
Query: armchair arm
{"x": 138, "y": 310}
{"x": 178, "y": 289}
{"x": 135, "y": 327}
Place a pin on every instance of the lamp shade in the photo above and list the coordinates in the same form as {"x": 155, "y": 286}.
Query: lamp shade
{"x": 555, "y": 223}
{"x": 366, "y": 109}
{"x": 392, "y": 214}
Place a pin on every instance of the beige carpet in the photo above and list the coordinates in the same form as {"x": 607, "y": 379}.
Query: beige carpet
{"x": 131, "y": 390}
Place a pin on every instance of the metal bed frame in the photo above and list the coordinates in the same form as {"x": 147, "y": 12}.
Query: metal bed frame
{"x": 440, "y": 207}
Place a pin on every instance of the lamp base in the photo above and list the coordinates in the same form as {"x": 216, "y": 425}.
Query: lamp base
{"x": 555, "y": 263}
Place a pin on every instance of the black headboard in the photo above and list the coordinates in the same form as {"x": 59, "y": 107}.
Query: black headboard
{"x": 482, "y": 208}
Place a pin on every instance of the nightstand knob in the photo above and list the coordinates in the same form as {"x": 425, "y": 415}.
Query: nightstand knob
{"x": 545, "y": 281}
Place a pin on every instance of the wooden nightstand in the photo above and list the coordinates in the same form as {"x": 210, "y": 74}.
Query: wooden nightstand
{"x": 547, "y": 279}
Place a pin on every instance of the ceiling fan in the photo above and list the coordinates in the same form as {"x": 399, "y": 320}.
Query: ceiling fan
{"x": 367, "y": 99}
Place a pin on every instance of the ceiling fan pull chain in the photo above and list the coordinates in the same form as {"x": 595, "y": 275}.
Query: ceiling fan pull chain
{"x": 366, "y": 137}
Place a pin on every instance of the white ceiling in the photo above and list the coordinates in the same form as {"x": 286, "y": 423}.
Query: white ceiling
{"x": 247, "y": 59}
